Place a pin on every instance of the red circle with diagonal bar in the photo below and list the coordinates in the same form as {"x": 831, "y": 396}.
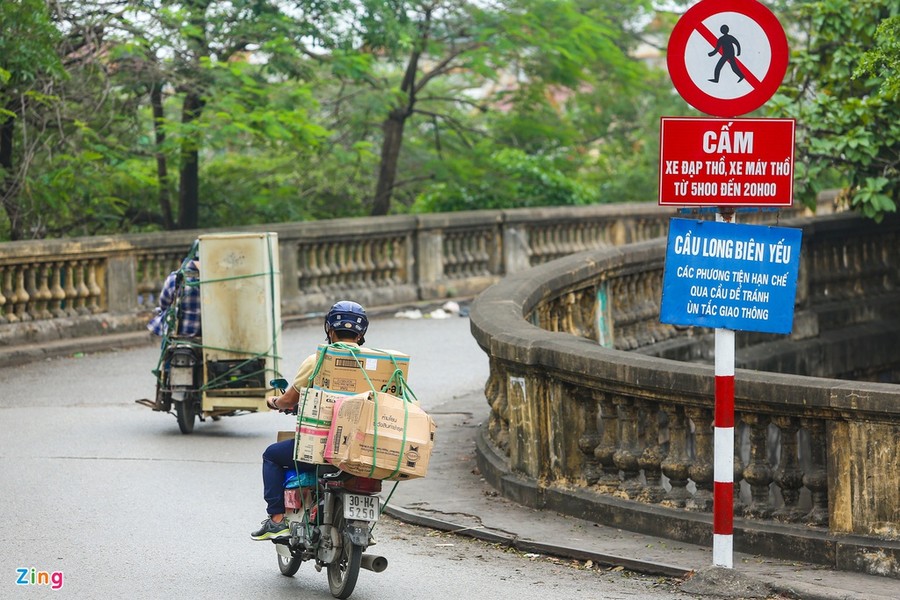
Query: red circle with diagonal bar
{"x": 727, "y": 57}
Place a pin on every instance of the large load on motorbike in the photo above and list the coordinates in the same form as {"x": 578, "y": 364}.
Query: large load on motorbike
{"x": 380, "y": 436}
{"x": 373, "y": 382}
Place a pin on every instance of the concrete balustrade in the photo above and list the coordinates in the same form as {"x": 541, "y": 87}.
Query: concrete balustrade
{"x": 591, "y": 416}
{"x": 57, "y": 289}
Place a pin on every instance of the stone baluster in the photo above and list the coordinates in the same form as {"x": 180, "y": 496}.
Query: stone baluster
{"x": 609, "y": 480}
{"x": 484, "y": 255}
{"x": 314, "y": 268}
{"x": 344, "y": 265}
{"x": 702, "y": 467}
{"x": 43, "y": 294}
{"x": 758, "y": 473}
{"x": 396, "y": 265}
{"x": 57, "y": 306}
{"x": 495, "y": 391}
{"x": 93, "y": 288}
{"x": 816, "y": 478}
{"x": 467, "y": 255}
{"x": 626, "y": 457}
{"x": 590, "y": 440}
{"x": 466, "y": 250}
{"x": 333, "y": 257}
{"x": 21, "y": 295}
{"x": 356, "y": 268}
{"x": 70, "y": 290}
{"x": 368, "y": 262}
{"x": 551, "y": 246}
{"x": 537, "y": 237}
{"x": 347, "y": 263}
{"x": 788, "y": 474}
{"x": 652, "y": 456}
{"x": 622, "y": 314}
{"x": 384, "y": 263}
{"x": 31, "y": 286}
{"x": 448, "y": 255}
{"x": 566, "y": 320}
{"x": 307, "y": 270}
{"x": 81, "y": 286}
{"x": 328, "y": 264}
{"x": 677, "y": 464}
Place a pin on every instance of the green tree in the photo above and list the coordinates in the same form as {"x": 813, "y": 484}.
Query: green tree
{"x": 842, "y": 89}
{"x": 437, "y": 58}
{"x": 230, "y": 59}
{"x": 62, "y": 154}
{"x": 29, "y": 65}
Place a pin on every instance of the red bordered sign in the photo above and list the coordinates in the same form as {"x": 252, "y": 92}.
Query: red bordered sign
{"x": 727, "y": 57}
{"x": 726, "y": 162}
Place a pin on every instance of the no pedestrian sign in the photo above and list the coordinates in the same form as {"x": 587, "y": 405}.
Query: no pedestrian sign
{"x": 730, "y": 276}
{"x": 726, "y": 162}
{"x": 727, "y": 57}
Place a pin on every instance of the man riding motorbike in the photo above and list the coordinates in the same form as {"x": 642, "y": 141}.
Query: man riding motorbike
{"x": 347, "y": 323}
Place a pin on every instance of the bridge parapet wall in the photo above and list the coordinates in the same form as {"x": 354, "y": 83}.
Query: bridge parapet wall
{"x": 581, "y": 399}
{"x": 57, "y": 289}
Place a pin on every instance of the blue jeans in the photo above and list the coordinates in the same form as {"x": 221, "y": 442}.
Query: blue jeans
{"x": 278, "y": 458}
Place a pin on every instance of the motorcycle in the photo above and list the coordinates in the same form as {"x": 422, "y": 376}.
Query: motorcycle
{"x": 330, "y": 515}
{"x": 179, "y": 384}
{"x": 194, "y": 389}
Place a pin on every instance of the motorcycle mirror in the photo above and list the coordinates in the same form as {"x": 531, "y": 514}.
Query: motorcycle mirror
{"x": 279, "y": 384}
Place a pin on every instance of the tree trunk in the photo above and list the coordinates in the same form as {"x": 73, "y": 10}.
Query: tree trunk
{"x": 162, "y": 171}
{"x": 189, "y": 183}
{"x": 8, "y": 186}
{"x": 390, "y": 154}
{"x": 393, "y": 139}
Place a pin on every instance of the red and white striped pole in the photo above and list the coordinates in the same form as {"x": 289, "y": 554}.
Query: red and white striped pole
{"x": 723, "y": 452}
{"x": 723, "y": 449}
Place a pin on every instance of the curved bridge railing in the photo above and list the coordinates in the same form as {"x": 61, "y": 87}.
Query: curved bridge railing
{"x": 589, "y": 418}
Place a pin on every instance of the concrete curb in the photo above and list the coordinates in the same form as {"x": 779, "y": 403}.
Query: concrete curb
{"x": 526, "y": 545}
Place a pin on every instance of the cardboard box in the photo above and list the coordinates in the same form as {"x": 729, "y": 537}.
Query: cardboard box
{"x": 317, "y": 405}
{"x": 310, "y": 445}
{"x": 402, "y": 448}
{"x": 346, "y": 368}
{"x": 314, "y": 413}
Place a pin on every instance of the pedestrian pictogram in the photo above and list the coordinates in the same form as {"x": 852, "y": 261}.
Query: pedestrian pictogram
{"x": 729, "y": 48}
{"x": 727, "y": 57}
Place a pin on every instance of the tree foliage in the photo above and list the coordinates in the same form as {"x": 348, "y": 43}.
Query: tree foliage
{"x": 842, "y": 89}
{"x": 123, "y": 115}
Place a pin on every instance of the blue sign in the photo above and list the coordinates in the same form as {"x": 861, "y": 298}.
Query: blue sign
{"x": 730, "y": 276}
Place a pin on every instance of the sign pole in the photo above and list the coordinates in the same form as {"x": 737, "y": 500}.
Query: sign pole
{"x": 723, "y": 450}
{"x": 746, "y": 37}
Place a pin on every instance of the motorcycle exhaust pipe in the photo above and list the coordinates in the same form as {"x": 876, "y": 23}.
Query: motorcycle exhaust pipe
{"x": 374, "y": 563}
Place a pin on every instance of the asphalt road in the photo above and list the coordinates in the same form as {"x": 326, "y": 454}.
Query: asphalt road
{"x": 112, "y": 496}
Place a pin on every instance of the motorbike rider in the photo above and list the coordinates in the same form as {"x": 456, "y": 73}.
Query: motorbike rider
{"x": 180, "y": 294}
{"x": 347, "y": 323}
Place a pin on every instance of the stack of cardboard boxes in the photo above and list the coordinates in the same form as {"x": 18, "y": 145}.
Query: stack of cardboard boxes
{"x": 352, "y": 416}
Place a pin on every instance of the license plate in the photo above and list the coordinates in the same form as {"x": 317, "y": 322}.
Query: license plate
{"x": 181, "y": 377}
{"x": 361, "y": 507}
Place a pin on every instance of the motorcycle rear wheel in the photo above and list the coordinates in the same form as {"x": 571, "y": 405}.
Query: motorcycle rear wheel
{"x": 186, "y": 413}
{"x": 288, "y": 565}
{"x": 343, "y": 571}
